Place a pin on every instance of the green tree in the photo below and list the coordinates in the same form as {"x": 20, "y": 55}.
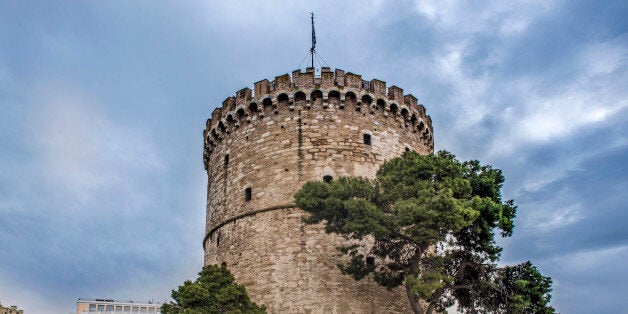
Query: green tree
{"x": 214, "y": 291}
{"x": 428, "y": 222}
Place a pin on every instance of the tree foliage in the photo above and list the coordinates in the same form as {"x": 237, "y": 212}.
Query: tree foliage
{"x": 428, "y": 222}
{"x": 214, "y": 291}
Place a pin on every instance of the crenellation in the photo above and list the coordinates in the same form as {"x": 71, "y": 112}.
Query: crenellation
{"x": 327, "y": 78}
{"x": 216, "y": 115}
{"x": 282, "y": 82}
{"x": 378, "y": 88}
{"x": 340, "y": 77}
{"x": 243, "y": 96}
{"x": 395, "y": 93}
{"x": 410, "y": 100}
{"x": 303, "y": 80}
{"x": 228, "y": 104}
{"x": 262, "y": 88}
{"x": 353, "y": 81}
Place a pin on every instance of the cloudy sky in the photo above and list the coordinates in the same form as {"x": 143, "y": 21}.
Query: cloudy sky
{"x": 102, "y": 106}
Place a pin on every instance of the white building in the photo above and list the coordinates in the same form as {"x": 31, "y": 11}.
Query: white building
{"x": 107, "y": 306}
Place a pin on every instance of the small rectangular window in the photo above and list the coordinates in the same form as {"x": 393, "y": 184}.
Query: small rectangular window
{"x": 247, "y": 194}
{"x": 226, "y": 159}
{"x": 92, "y": 307}
{"x": 367, "y": 139}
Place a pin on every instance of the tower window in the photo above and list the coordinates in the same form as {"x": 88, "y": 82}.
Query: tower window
{"x": 223, "y": 264}
{"x": 370, "y": 261}
{"x": 218, "y": 240}
{"x": 327, "y": 178}
{"x": 226, "y": 159}
{"x": 367, "y": 139}
{"x": 247, "y": 194}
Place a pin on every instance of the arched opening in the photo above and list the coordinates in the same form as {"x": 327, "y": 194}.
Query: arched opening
{"x": 350, "y": 99}
{"x": 381, "y": 104}
{"x": 367, "y": 100}
{"x": 267, "y": 104}
{"x": 240, "y": 112}
{"x": 299, "y": 98}
{"x": 394, "y": 108}
{"x": 334, "y": 98}
{"x": 253, "y": 107}
{"x": 224, "y": 265}
{"x": 282, "y": 99}
{"x": 421, "y": 126}
{"x": 230, "y": 118}
{"x": 317, "y": 98}
{"x": 413, "y": 119}
{"x": 404, "y": 113}
{"x": 221, "y": 126}
{"x": 327, "y": 178}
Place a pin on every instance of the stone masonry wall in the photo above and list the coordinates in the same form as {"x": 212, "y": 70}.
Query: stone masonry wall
{"x": 293, "y": 130}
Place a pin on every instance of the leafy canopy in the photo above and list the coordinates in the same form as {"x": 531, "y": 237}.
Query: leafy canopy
{"x": 214, "y": 291}
{"x": 427, "y": 222}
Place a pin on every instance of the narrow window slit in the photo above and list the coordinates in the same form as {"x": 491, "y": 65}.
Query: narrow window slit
{"x": 247, "y": 194}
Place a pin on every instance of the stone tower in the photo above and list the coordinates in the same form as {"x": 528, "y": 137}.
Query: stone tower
{"x": 259, "y": 149}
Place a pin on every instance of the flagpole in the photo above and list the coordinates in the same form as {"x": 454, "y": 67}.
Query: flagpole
{"x": 313, "y": 49}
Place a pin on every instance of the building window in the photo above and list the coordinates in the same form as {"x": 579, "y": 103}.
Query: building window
{"x": 223, "y": 265}
{"x": 109, "y": 308}
{"x": 367, "y": 139}
{"x": 218, "y": 240}
{"x": 101, "y": 308}
{"x": 327, "y": 178}
{"x": 127, "y": 309}
{"x": 370, "y": 261}
{"x": 92, "y": 307}
{"x": 226, "y": 159}
{"x": 247, "y": 194}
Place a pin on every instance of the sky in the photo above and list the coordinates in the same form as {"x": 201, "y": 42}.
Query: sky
{"x": 103, "y": 103}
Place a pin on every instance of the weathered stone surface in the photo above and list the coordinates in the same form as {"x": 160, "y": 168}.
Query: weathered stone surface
{"x": 273, "y": 149}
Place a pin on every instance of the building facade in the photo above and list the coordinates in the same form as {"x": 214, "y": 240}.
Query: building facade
{"x": 108, "y": 306}
{"x": 261, "y": 146}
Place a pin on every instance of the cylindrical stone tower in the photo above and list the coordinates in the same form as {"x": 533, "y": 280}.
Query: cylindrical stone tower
{"x": 259, "y": 150}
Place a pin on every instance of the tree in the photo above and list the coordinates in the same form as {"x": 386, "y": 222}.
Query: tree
{"x": 214, "y": 291}
{"x": 428, "y": 222}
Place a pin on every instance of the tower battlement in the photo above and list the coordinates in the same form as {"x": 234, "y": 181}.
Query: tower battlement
{"x": 305, "y": 91}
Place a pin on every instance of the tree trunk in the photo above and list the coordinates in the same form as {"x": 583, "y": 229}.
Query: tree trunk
{"x": 414, "y": 302}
